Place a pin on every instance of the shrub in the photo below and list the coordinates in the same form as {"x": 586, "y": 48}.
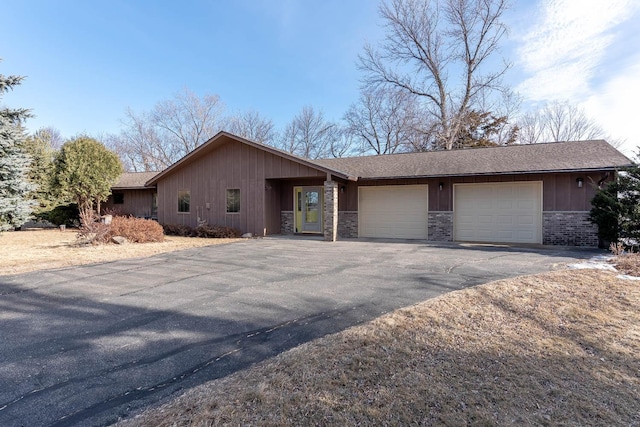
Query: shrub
{"x": 178, "y": 230}
{"x": 62, "y": 215}
{"x": 91, "y": 230}
{"x": 206, "y": 231}
{"x": 217, "y": 232}
{"x": 137, "y": 230}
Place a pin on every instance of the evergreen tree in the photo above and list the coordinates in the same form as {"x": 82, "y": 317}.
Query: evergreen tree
{"x": 85, "y": 170}
{"x": 39, "y": 147}
{"x": 15, "y": 206}
{"x": 616, "y": 209}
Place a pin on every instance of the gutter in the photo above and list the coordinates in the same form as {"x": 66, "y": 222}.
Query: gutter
{"x": 603, "y": 169}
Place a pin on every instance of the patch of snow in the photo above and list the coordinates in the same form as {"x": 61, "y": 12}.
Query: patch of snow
{"x": 600, "y": 262}
{"x": 627, "y": 277}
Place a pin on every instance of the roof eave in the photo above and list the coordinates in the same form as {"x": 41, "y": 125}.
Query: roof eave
{"x": 134, "y": 187}
{"x": 532, "y": 172}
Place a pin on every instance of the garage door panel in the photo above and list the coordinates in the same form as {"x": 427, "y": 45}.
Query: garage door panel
{"x": 525, "y": 220}
{"x": 498, "y": 212}
{"x": 394, "y": 211}
{"x": 505, "y": 221}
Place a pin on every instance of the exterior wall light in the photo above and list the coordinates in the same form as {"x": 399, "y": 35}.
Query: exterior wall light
{"x": 579, "y": 181}
{"x": 441, "y": 186}
{"x": 342, "y": 188}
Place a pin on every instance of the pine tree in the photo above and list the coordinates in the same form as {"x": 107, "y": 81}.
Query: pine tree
{"x": 616, "y": 209}
{"x": 15, "y": 206}
{"x": 39, "y": 147}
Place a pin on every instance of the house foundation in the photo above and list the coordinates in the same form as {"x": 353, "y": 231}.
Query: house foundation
{"x": 569, "y": 229}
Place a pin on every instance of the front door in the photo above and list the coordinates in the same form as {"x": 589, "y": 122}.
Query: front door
{"x": 308, "y": 201}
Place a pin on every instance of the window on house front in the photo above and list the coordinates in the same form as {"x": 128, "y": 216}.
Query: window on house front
{"x": 184, "y": 199}
{"x": 154, "y": 205}
{"x": 233, "y": 200}
{"x": 118, "y": 198}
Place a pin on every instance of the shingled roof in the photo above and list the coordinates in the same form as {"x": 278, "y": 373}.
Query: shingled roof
{"x": 133, "y": 180}
{"x": 514, "y": 159}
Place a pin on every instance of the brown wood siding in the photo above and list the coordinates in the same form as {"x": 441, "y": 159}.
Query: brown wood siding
{"x": 232, "y": 165}
{"x": 136, "y": 202}
{"x": 560, "y": 190}
{"x": 286, "y": 190}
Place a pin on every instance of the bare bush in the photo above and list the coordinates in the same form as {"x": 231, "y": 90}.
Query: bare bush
{"x": 136, "y": 230}
{"x": 217, "y": 232}
{"x": 92, "y": 230}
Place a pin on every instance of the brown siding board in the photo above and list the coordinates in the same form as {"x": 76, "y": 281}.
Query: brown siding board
{"x": 232, "y": 165}
{"x": 136, "y": 202}
{"x": 560, "y": 190}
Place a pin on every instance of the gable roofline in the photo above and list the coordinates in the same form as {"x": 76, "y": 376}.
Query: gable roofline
{"x": 222, "y": 134}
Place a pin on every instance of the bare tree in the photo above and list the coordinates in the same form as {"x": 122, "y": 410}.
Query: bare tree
{"x": 384, "y": 120}
{"x": 187, "y": 121}
{"x": 151, "y": 141}
{"x": 558, "y": 121}
{"x": 438, "y": 50}
{"x": 139, "y": 145}
{"x": 251, "y": 125}
{"x": 310, "y": 135}
{"x": 51, "y": 136}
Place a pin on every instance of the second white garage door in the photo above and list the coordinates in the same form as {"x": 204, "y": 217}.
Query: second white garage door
{"x": 393, "y": 211}
{"x": 498, "y": 212}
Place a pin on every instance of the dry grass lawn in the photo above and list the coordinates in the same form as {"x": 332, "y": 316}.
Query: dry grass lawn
{"x": 31, "y": 250}
{"x": 560, "y": 348}
{"x": 628, "y": 264}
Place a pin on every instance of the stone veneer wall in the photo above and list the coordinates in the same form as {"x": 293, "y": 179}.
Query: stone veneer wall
{"x": 330, "y": 211}
{"x": 568, "y": 229}
{"x": 440, "y": 226}
{"x": 348, "y": 224}
{"x": 286, "y": 222}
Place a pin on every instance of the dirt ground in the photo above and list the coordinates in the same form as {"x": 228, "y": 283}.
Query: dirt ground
{"x": 560, "y": 348}
{"x": 31, "y": 250}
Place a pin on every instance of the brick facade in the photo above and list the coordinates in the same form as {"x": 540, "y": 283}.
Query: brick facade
{"x": 286, "y": 222}
{"x": 568, "y": 229}
{"x": 330, "y": 211}
{"x": 348, "y": 224}
{"x": 440, "y": 226}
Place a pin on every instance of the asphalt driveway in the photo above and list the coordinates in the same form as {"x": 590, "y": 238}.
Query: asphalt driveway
{"x": 87, "y": 345}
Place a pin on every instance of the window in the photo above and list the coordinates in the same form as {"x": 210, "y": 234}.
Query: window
{"x": 233, "y": 200}
{"x": 184, "y": 198}
{"x": 154, "y": 205}
{"x": 118, "y": 198}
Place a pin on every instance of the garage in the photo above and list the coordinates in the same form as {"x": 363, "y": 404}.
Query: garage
{"x": 393, "y": 211}
{"x": 498, "y": 212}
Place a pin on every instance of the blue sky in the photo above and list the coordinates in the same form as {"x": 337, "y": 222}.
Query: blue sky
{"x": 87, "y": 61}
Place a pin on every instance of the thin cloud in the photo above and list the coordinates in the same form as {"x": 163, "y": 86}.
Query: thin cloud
{"x": 614, "y": 106}
{"x": 565, "y": 45}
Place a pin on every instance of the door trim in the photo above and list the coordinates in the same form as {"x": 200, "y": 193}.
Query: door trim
{"x": 298, "y": 212}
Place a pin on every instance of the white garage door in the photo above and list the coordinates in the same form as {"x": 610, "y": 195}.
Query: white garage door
{"x": 498, "y": 212}
{"x": 393, "y": 211}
